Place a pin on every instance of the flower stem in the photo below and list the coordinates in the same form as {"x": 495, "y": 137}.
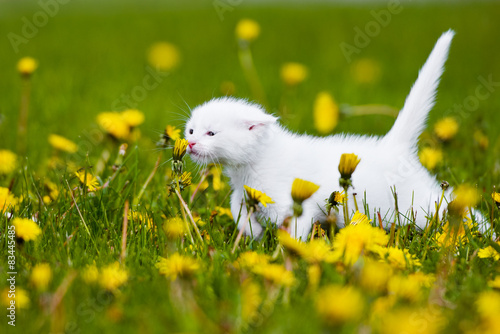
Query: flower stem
{"x": 184, "y": 205}
{"x": 22, "y": 128}
{"x": 370, "y": 109}
{"x": 124, "y": 233}
{"x": 346, "y": 208}
{"x": 240, "y": 233}
{"x": 246, "y": 61}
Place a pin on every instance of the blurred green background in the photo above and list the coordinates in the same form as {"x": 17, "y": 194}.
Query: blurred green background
{"x": 90, "y": 53}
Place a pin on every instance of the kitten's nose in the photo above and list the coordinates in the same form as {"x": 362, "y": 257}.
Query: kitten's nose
{"x": 191, "y": 144}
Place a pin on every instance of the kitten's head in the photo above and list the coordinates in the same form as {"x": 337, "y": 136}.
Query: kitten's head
{"x": 227, "y": 131}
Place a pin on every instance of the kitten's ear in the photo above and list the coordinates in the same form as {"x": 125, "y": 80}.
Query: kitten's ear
{"x": 260, "y": 121}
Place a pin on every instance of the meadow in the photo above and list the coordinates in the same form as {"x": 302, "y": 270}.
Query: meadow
{"x": 105, "y": 229}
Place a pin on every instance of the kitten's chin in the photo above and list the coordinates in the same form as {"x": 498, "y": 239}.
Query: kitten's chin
{"x": 198, "y": 158}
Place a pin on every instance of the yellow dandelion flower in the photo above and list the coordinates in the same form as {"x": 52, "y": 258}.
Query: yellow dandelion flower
{"x": 250, "y": 300}
{"x": 380, "y": 307}
{"x": 7, "y": 200}
{"x": 339, "y": 304}
{"x": 360, "y": 218}
{"x": 446, "y": 128}
{"x": 177, "y": 265}
{"x": 88, "y": 180}
{"x": 90, "y": 274}
{"x": 335, "y": 199}
{"x": 495, "y": 283}
{"x": 8, "y": 162}
{"x": 114, "y": 124}
{"x": 410, "y": 287}
{"x": 353, "y": 240}
{"x": 347, "y": 165}
{"x": 180, "y": 147}
{"x": 174, "y": 228}
{"x": 217, "y": 183}
{"x": 302, "y": 190}
{"x": 453, "y": 235}
{"x": 375, "y": 276}
{"x": 132, "y": 117}
{"x": 27, "y": 65}
{"x": 293, "y": 73}
{"x": 164, "y": 56}
{"x": 488, "y": 304}
{"x": 317, "y": 251}
{"x": 258, "y": 196}
{"x": 249, "y": 260}
{"x": 247, "y": 30}
{"x": 313, "y": 276}
{"x": 292, "y": 245}
{"x": 20, "y": 298}
{"x": 397, "y": 258}
{"x": 365, "y": 70}
{"x": 172, "y": 132}
{"x": 113, "y": 276}
{"x": 496, "y": 197}
{"x": 430, "y": 157}
{"x": 275, "y": 273}
{"x": 412, "y": 321}
{"x": 26, "y": 229}
{"x": 41, "y": 276}
{"x": 185, "y": 180}
{"x": 52, "y": 189}
{"x": 224, "y": 211}
{"x": 62, "y": 144}
{"x": 481, "y": 139}
{"x": 465, "y": 196}
{"x": 489, "y": 252}
{"x": 326, "y": 113}
{"x": 140, "y": 218}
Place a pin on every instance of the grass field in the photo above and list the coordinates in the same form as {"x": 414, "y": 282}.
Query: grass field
{"x": 93, "y": 58}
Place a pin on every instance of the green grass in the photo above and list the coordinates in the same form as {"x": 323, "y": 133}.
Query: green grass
{"x": 90, "y": 56}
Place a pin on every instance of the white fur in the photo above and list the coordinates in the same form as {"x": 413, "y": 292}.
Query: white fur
{"x": 258, "y": 152}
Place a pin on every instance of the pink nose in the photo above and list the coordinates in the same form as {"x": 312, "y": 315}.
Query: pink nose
{"x": 191, "y": 145}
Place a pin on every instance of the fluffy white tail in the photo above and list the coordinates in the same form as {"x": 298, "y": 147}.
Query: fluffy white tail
{"x": 412, "y": 118}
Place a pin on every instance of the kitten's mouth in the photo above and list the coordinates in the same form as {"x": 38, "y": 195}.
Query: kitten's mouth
{"x": 195, "y": 154}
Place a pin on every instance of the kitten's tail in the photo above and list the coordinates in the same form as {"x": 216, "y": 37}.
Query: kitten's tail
{"x": 412, "y": 118}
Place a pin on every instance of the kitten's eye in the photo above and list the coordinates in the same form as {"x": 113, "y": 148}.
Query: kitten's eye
{"x": 191, "y": 131}
{"x": 210, "y": 133}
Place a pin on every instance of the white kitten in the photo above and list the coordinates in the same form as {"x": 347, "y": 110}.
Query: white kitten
{"x": 258, "y": 152}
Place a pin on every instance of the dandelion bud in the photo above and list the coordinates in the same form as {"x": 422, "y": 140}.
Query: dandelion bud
{"x": 465, "y": 197}
{"x": 247, "y": 30}
{"x": 347, "y": 165}
{"x": 41, "y": 275}
{"x": 26, "y": 66}
{"x": 496, "y": 198}
{"x": 185, "y": 180}
{"x": 446, "y": 128}
{"x": 256, "y": 196}
{"x": 335, "y": 199}
{"x": 302, "y": 190}
{"x": 293, "y": 73}
{"x": 179, "y": 149}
